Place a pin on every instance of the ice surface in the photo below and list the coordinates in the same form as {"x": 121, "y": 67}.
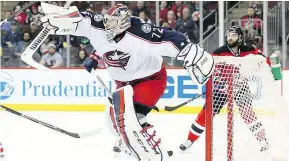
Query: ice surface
{"x": 24, "y": 140}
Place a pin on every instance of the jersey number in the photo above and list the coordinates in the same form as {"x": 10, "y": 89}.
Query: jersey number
{"x": 157, "y": 32}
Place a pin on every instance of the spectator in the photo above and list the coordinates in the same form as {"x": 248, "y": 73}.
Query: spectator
{"x": 82, "y": 42}
{"x": 45, "y": 45}
{"x": 171, "y": 19}
{"x": 22, "y": 45}
{"x": 82, "y": 46}
{"x": 144, "y": 16}
{"x": 28, "y": 16}
{"x": 36, "y": 16}
{"x": 178, "y": 7}
{"x": 187, "y": 26}
{"x": 258, "y": 7}
{"x": 195, "y": 6}
{"x": 25, "y": 41}
{"x": 34, "y": 30}
{"x": 251, "y": 22}
{"x": 140, "y": 7}
{"x": 7, "y": 26}
{"x": 21, "y": 17}
{"x": 196, "y": 17}
{"x": 53, "y": 59}
{"x": 82, "y": 55}
{"x": 163, "y": 11}
{"x": 256, "y": 41}
{"x": 12, "y": 37}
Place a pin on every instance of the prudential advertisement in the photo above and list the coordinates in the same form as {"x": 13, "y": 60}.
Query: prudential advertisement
{"x": 76, "y": 89}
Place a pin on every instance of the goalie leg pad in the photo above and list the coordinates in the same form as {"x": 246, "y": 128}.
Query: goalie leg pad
{"x": 139, "y": 140}
{"x": 110, "y": 119}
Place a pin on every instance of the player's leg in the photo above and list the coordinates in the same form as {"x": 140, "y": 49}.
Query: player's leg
{"x": 244, "y": 102}
{"x": 137, "y": 135}
{"x": 146, "y": 94}
{"x": 198, "y": 126}
{"x": 111, "y": 124}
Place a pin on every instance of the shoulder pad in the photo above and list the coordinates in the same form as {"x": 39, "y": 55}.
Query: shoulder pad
{"x": 221, "y": 50}
{"x": 135, "y": 19}
{"x": 142, "y": 30}
{"x": 86, "y": 14}
{"x": 248, "y": 48}
{"x": 96, "y": 19}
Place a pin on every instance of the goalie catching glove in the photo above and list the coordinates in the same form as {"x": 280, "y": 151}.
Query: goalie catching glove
{"x": 64, "y": 21}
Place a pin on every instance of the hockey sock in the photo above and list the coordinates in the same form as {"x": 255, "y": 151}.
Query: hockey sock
{"x": 259, "y": 132}
{"x": 255, "y": 126}
{"x": 197, "y": 127}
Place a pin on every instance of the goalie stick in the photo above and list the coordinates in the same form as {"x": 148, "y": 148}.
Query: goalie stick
{"x": 16, "y": 13}
{"x": 26, "y": 56}
{"x": 74, "y": 135}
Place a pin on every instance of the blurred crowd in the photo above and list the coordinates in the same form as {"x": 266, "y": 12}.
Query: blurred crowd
{"x": 18, "y": 33}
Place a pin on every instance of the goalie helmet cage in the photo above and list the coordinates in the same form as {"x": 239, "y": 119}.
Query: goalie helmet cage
{"x": 252, "y": 124}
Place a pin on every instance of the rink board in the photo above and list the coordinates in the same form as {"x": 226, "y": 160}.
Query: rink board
{"x": 77, "y": 90}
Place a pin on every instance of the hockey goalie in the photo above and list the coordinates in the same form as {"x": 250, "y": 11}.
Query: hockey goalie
{"x": 132, "y": 52}
{"x": 243, "y": 79}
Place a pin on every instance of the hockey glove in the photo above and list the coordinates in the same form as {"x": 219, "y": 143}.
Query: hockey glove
{"x": 91, "y": 62}
{"x": 199, "y": 63}
{"x": 64, "y": 21}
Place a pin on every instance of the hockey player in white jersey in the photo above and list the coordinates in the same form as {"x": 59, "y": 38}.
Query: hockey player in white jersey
{"x": 132, "y": 52}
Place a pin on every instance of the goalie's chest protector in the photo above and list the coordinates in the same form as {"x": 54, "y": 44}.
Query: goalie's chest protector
{"x": 129, "y": 58}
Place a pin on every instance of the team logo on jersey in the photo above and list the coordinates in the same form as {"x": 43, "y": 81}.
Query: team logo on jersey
{"x": 98, "y": 17}
{"x": 146, "y": 28}
{"x": 116, "y": 59}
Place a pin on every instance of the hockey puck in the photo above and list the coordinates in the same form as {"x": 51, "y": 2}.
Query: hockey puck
{"x": 170, "y": 153}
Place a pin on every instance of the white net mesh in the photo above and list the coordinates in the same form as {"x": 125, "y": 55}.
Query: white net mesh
{"x": 251, "y": 119}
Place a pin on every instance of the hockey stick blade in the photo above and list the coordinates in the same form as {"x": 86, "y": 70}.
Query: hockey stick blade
{"x": 173, "y": 108}
{"x": 74, "y": 135}
{"x": 26, "y": 56}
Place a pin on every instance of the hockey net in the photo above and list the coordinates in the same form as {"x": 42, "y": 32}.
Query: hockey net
{"x": 246, "y": 116}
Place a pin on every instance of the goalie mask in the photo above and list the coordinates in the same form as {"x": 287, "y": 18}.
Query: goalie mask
{"x": 234, "y": 37}
{"x": 116, "y": 21}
